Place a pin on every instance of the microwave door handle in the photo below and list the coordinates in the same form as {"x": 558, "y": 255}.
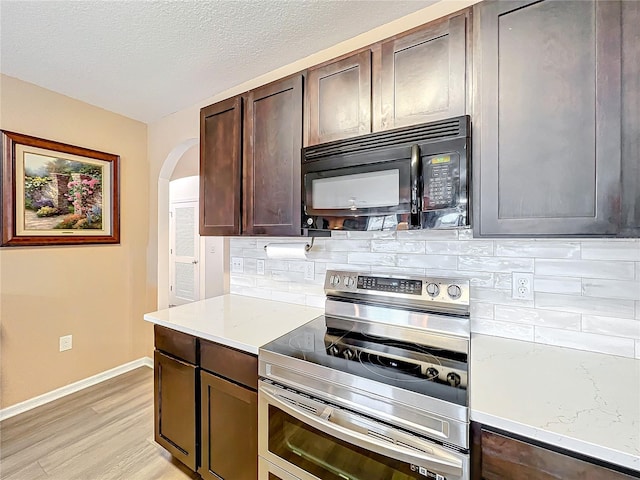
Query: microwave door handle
{"x": 414, "y": 179}
{"x": 443, "y": 463}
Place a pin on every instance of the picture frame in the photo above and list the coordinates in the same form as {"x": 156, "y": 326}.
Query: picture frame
{"x": 57, "y": 194}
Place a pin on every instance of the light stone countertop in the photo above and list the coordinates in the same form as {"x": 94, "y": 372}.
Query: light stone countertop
{"x": 581, "y": 401}
{"x": 245, "y": 323}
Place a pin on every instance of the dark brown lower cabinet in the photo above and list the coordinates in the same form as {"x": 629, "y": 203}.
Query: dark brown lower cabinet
{"x": 498, "y": 456}
{"x": 175, "y": 383}
{"x": 229, "y": 414}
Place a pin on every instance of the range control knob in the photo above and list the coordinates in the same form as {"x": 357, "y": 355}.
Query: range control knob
{"x": 454, "y": 291}
{"x": 348, "y": 354}
{"x": 349, "y": 281}
{"x": 334, "y": 280}
{"x": 433, "y": 289}
{"x": 453, "y": 379}
{"x": 432, "y": 372}
{"x": 333, "y": 350}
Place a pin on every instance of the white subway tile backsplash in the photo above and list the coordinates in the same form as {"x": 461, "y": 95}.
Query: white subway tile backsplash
{"x": 251, "y": 291}
{"x": 371, "y": 259}
{"x": 445, "y": 262}
{"x": 465, "y": 234}
{"x": 497, "y": 297}
{"x": 617, "y": 327}
{"x": 371, "y": 235}
{"x": 623, "y": 347}
{"x": 287, "y": 297}
{"x": 502, "y": 329}
{"x": 503, "y": 281}
{"x": 586, "y": 268}
{"x": 323, "y": 246}
{"x": 567, "y": 285}
{"x": 587, "y": 292}
{"x": 585, "y": 305}
{"x": 537, "y": 248}
{"x": 242, "y": 280}
{"x": 481, "y": 310}
{"x": 384, "y": 270}
{"x": 594, "y": 287}
{"x": 495, "y": 264}
{"x": 399, "y": 246}
{"x": 533, "y": 316}
{"x": 611, "y": 250}
{"x": 479, "y": 279}
{"x": 427, "y": 235}
{"x": 467, "y": 247}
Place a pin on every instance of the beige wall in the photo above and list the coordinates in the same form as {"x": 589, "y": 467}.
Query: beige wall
{"x": 96, "y": 293}
{"x": 166, "y": 134}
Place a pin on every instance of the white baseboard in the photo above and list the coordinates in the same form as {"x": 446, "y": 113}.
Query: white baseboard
{"x": 72, "y": 388}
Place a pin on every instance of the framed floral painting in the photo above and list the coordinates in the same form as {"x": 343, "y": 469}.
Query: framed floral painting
{"x": 57, "y": 194}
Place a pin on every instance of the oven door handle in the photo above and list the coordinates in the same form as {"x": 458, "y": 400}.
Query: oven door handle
{"x": 441, "y": 462}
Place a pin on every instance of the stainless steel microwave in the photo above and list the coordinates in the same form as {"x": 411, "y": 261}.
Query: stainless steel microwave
{"x": 402, "y": 179}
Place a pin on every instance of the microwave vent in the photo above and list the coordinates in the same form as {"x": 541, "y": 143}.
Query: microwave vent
{"x": 433, "y": 131}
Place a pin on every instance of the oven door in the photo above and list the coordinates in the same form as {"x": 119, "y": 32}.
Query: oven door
{"x": 312, "y": 439}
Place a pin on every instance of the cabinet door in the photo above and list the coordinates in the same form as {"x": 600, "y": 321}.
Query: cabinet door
{"x": 339, "y": 99}
{"x": 220, "y": 168}
{"x": 504, "y": 457}
{"x": 272, "y": 143}
{"x": 423, "y": 75}
{"x": 229, "y": 429}
{"x": 547, "y": 157}
{"x": 631, "y": 119}
{"x": 175, "y": 408}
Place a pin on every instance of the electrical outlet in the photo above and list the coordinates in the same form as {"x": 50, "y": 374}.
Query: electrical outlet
{"x": 522, "y": 286}
{"x": 66, "y": 342}
{"x": 309, "y": 270}
{"x": 237, "y": 264}
{"x": 260, "y": 266}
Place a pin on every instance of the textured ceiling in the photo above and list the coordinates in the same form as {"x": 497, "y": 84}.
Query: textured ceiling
{"x": 147, "y": 59}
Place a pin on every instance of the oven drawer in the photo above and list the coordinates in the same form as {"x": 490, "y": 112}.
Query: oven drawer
{"x": 269, "y": 471}
{"x": 313, "y": 439}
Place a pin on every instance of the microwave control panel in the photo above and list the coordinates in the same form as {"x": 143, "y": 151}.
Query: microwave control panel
{"x": 441, "y": 175}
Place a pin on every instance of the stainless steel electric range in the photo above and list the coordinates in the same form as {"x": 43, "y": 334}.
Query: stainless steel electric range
{"x": 377, "y": 388}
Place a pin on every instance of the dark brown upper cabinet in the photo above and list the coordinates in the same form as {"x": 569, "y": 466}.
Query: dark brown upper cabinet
{"x": 547, "y": 129}
{"x": 339, "y": 99}
{"x": 422, "y": 75}
{"x": 250, "y": 162}
{"x": 271, "y": 159}
{"x": 220, "y": 168}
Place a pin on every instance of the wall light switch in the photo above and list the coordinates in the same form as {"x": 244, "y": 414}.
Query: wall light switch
{"x": 237, "y": 264}
{"x": 66, "y": 342}
{"x": 260, "y": 266}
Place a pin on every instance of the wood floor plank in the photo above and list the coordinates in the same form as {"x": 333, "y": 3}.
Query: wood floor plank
{"x": 104, "y": 432}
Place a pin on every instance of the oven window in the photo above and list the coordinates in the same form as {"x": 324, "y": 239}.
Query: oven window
{"x": 326, "y": 457}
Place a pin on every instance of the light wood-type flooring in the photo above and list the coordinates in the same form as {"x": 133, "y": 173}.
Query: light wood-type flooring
{"x": 104, "y": 432}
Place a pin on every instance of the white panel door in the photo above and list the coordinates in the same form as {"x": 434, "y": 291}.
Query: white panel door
{"x": 184, "y": 253}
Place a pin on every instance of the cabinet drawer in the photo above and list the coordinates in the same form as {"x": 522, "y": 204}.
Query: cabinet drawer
{"x": 178, "y": 344}
{"x": 241, "y": 367}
